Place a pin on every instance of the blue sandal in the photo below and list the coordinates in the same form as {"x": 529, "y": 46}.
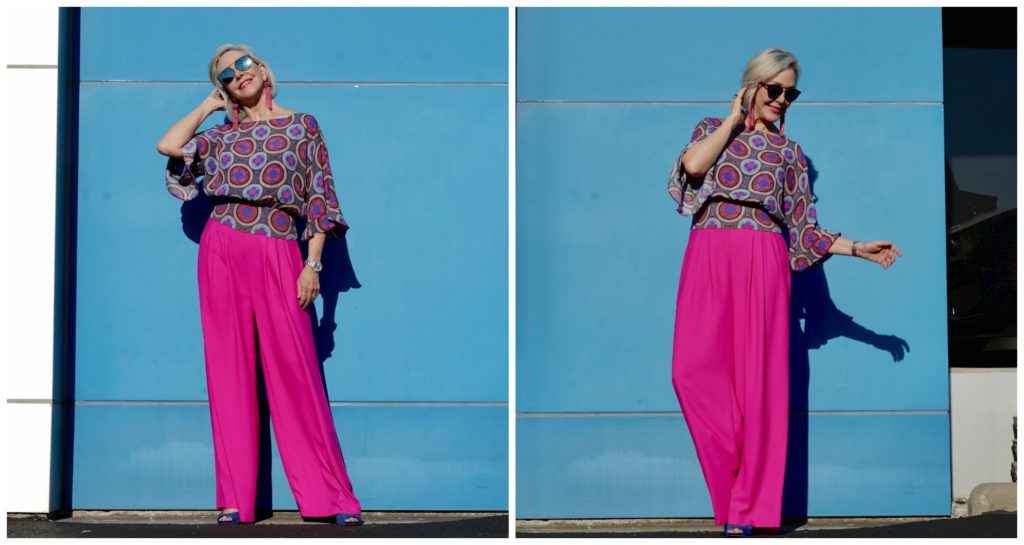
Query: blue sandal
{"x": 744, "y": 530}
{"x": 232, "y": 518}
{"x": 347, "y": 519}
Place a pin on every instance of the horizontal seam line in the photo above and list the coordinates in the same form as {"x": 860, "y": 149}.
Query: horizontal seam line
{"x": 304, "y": 83}
{"x": 332, "y": 403}
{"x": 679, "y": 414}
{"x": 32, "y": 66}
{"x": 722, "y": 102}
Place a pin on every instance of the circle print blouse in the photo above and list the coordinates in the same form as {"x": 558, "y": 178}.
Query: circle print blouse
{"x": 263, "y": 177}
{"x": 758, "y": 182}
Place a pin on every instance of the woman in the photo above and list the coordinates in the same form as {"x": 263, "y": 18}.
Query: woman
{"x": 265, "y": 170}
{"x": 746, "y": 184}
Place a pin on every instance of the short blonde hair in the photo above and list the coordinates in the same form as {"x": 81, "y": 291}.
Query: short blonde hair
{"x": 246, "y": 50}
{"x": 764, "y": 66}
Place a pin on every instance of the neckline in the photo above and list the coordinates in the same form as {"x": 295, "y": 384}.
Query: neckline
{"x": 754, "y": 131}
{"x": 289, "y": 116}
{"x": 742, "y": 129}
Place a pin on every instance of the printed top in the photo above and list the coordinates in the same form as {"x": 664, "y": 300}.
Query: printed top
{"x": 262, "y": 177}
{"x": 758, "y": 182}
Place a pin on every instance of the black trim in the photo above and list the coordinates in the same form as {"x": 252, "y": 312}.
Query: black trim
{"x": 65, "y": 273}
{"x": 987, "y": 28}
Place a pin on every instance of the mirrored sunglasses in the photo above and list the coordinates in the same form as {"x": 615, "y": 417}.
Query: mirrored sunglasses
{"x": 227, "y": 75}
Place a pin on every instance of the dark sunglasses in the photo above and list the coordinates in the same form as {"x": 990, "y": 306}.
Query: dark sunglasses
{"x": 774, "y": 90}
{"x": 227, "y": 75}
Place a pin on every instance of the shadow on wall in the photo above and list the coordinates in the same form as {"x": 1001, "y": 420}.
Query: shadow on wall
{"x": 62, "y": 417}
{"x": 823, "y": 321}
{"x": 338, "y": 276}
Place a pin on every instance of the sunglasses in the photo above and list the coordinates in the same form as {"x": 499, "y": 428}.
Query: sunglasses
{"x": 774, "y": 90}
{"x": 227, "y": 75}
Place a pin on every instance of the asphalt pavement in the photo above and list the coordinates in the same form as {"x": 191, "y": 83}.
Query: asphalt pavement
{"x": 155, "y": 524}
{"x": 991, "y": 524}
{"x": 160, "y": 524}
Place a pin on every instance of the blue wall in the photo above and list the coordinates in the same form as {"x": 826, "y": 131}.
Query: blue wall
{"x": 413, "y": 104}
{"x": 606, "y": 100}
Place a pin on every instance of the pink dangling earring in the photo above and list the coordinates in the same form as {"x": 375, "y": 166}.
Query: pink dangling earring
{"x": 782, "y": 124}
{"x": 266, "y": 93}
{"x": 750, "y": 117}
{"x": 235, "y": 126}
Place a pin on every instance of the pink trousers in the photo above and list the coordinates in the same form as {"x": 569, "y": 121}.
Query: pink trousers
{"x": 730, "y": 368}
{"x": 247, "y": 283}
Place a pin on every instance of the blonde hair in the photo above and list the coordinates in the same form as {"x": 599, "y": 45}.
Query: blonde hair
{"x": 246, "y": 50}
{"x": 765, "y": 65}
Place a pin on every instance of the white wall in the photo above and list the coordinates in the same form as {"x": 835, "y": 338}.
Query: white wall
{"x": 983, "y": 403}
{"x": 29, "y": 177}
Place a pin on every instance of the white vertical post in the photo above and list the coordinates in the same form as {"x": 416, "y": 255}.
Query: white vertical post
{"x": 28, "y": 246}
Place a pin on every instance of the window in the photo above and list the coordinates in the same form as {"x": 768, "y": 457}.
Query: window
{"x": 980, "y": 99}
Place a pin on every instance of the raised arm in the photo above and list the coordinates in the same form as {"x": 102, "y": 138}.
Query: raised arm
{"x": 182, "y": 131}
{"x": 702, "y": 154}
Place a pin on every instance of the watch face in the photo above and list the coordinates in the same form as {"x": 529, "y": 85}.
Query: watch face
{"x": 315, "y": 265}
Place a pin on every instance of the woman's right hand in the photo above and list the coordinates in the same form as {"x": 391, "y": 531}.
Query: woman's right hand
{"x": 213, "y": 102}
{"x": 735, "y": 116}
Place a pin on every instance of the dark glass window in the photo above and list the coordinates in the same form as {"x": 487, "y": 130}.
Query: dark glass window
{"x": 980, "y": 105}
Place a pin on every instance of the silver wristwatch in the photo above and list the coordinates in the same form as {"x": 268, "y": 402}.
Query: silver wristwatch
{"x": 315, "y": 265}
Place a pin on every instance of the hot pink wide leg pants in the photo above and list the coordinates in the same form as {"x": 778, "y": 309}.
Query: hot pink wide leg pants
{"x": 730, "y": 368}
{"x": 247, "y": 283}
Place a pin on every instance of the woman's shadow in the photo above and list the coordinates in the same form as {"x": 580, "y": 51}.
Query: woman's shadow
{"x": 338, "y": 275}
{"x": 823, "y": 321}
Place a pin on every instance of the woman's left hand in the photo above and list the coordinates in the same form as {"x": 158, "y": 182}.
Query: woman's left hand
{"x": 883, "y": 252}
{"x": 308, "y": 286}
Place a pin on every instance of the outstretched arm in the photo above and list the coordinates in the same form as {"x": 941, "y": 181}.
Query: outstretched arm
{"x": 883, "y": 252}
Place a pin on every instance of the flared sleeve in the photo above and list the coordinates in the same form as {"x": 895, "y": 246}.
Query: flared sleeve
{"x": 690, "y": 193}
{"x": 320, "y": 207}
{"x": 183, "y": 173}
{"x": 808, "y": 241}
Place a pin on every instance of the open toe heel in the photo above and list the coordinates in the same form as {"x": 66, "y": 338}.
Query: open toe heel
{"x": 738, "y": 530}
{"x": 227, "y": 518}
{"x": 347, "y": 519}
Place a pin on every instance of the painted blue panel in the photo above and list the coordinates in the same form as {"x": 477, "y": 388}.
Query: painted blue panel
{"x": 307, "y": 44}
{"x": 699, "y": 54}
{"x": 645, "y": 466}
{"x": 399, "y": 458}
{"x": 421, "y": 174}
{"x": 599, "y": 248}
